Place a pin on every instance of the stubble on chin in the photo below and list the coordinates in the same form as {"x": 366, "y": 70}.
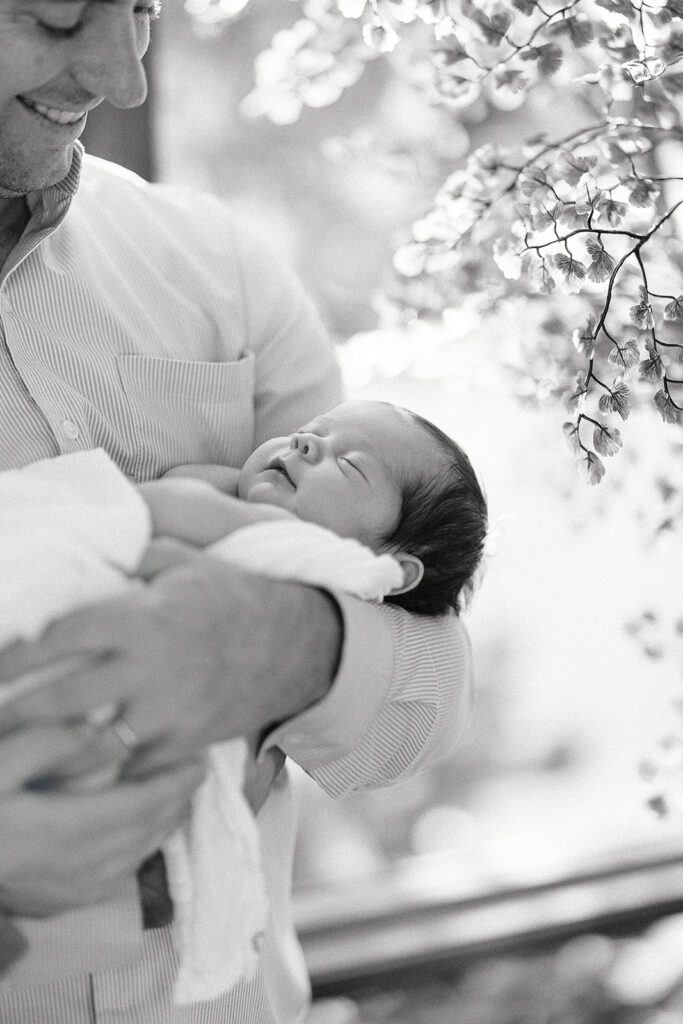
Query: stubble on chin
{"x": 9, "y": 193}
{"x": 24, "y": 173}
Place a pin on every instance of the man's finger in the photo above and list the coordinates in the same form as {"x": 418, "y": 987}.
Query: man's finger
{"x": 92, "y": 631}
{"x": 61, "y": 849}
{"x": 54, "y": 693}
{"x": 45, "y": 675}
{"x": 151, "y": 807}
{"x": 64, "y": 642}
{"x": 260, "y": 775}
{"x": 32, "y": 753}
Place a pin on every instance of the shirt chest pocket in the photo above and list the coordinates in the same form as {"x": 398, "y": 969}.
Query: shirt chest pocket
{"x": 187, "y": 411}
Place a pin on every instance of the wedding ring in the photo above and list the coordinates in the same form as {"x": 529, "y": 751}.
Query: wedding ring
{"x": 101, "y": 717}
{"x": 109, "y": 716}
{"x": 125, "y": 733}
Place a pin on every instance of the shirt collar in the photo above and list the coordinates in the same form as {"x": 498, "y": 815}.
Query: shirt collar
{"x": 51, "y": 201}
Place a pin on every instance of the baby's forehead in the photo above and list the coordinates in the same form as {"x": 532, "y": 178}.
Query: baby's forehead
{"x": 373, "y": 417}
{"x": 392, "y": 434}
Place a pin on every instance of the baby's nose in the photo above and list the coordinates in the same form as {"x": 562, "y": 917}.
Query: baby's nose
{"x": 308, "y": 446}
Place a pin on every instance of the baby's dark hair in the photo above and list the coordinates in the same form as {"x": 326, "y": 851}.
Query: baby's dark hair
{"x": 443, "y": 522}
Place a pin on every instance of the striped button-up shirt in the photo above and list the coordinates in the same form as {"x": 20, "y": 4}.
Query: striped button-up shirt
{"x": 141, "y": 319}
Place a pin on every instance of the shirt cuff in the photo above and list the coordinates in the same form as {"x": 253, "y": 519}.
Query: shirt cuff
{"x": 337, "y": 723}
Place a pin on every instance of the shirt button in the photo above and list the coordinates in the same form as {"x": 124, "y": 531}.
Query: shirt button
{"x": 70, "y": 429}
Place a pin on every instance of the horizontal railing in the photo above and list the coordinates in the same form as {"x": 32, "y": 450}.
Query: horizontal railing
{"x": 409, "y": 917}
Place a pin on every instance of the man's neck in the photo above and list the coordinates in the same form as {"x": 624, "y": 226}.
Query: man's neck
{"x": 13, "y": 219}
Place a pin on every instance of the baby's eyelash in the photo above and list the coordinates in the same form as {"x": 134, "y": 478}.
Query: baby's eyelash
{"x": 153, "y": 9}
{"x": 356, "y": 467}
{"x": 55, "y": 32}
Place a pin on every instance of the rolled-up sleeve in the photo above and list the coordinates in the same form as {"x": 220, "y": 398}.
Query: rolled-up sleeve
{"x": 401, "y": 699}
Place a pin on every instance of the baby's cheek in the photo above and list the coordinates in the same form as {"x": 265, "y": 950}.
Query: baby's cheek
{"x": 328, "y": 511}
{"x": 248, "y": 480}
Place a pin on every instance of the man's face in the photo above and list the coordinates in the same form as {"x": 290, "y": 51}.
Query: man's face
{"x": 59, "y": 59}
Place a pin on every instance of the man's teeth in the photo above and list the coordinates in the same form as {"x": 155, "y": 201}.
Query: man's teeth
{"x": 55, "y": 115}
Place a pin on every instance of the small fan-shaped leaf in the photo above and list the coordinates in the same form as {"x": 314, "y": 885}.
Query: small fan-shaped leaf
{"x": 626, "y": 355}
{"x": 651, "y": 369}
{"x": 569, "y": 266}
{"x": 571, "y": 434}
{"x": 606, "y": 440}
{"x": 593, "y": 467}
{"x": 666, "y": 407}
{"x": 617, "y": 399}
{"x": 641, "y": 315}
{"x": 674, "y": 309}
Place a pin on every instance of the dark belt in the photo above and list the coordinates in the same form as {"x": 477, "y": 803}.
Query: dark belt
{"x": 157, "y": 906}
{"x": 12, "y": 943}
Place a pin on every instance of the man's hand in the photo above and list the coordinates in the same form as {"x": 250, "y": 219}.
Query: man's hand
{"x": 260, "y": 775}
{"x": 59, "y": 849}
{"x": 205, "y": 652}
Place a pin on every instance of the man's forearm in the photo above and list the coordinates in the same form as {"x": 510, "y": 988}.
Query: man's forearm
{"x": 277, "y": 644}
{"x": 204, "y": 653}
{"x": 297, "y": 639}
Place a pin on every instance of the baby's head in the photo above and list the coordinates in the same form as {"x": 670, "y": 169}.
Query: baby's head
{"x": 392, "y": 480}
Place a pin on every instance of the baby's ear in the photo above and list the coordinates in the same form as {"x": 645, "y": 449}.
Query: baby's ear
{"x": 413, "y": 571}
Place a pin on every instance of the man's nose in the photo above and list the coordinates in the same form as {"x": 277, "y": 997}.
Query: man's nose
{"x": 308, "y": 446}
{"x": 110, "y": 61}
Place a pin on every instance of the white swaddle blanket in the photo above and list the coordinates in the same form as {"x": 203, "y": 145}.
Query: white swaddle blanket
{"x": 73, "y": 530}
{"x": 217, "y": 889}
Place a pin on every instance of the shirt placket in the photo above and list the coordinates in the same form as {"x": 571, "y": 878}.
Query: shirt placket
{"x": 43, "y": 425}
{"x": 26, "y": 432}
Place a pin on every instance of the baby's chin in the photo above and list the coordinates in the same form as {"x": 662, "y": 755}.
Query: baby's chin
{"x": 248, "y": 482}
{"x": 243, "y": 484}
{"x": 262, "y": 492}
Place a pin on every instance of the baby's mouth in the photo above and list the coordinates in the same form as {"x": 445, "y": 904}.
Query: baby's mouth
{"x": 279, "y": 466}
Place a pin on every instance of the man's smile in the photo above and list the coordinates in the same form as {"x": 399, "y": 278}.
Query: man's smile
{"x": 55, "y": 115}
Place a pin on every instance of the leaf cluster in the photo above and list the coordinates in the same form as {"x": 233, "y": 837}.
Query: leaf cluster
{"x": 589, "y": 213}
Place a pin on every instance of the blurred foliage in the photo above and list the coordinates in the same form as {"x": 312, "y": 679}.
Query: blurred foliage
{"x": 545, "y": 142}
{"x": 589, "y": 211}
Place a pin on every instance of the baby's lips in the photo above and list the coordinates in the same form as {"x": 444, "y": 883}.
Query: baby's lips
{"x": 278, "y": 464}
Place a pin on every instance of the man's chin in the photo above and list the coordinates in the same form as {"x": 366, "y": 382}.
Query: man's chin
{"x": 20, "y": 182}
{"x": 12, "y": 192}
